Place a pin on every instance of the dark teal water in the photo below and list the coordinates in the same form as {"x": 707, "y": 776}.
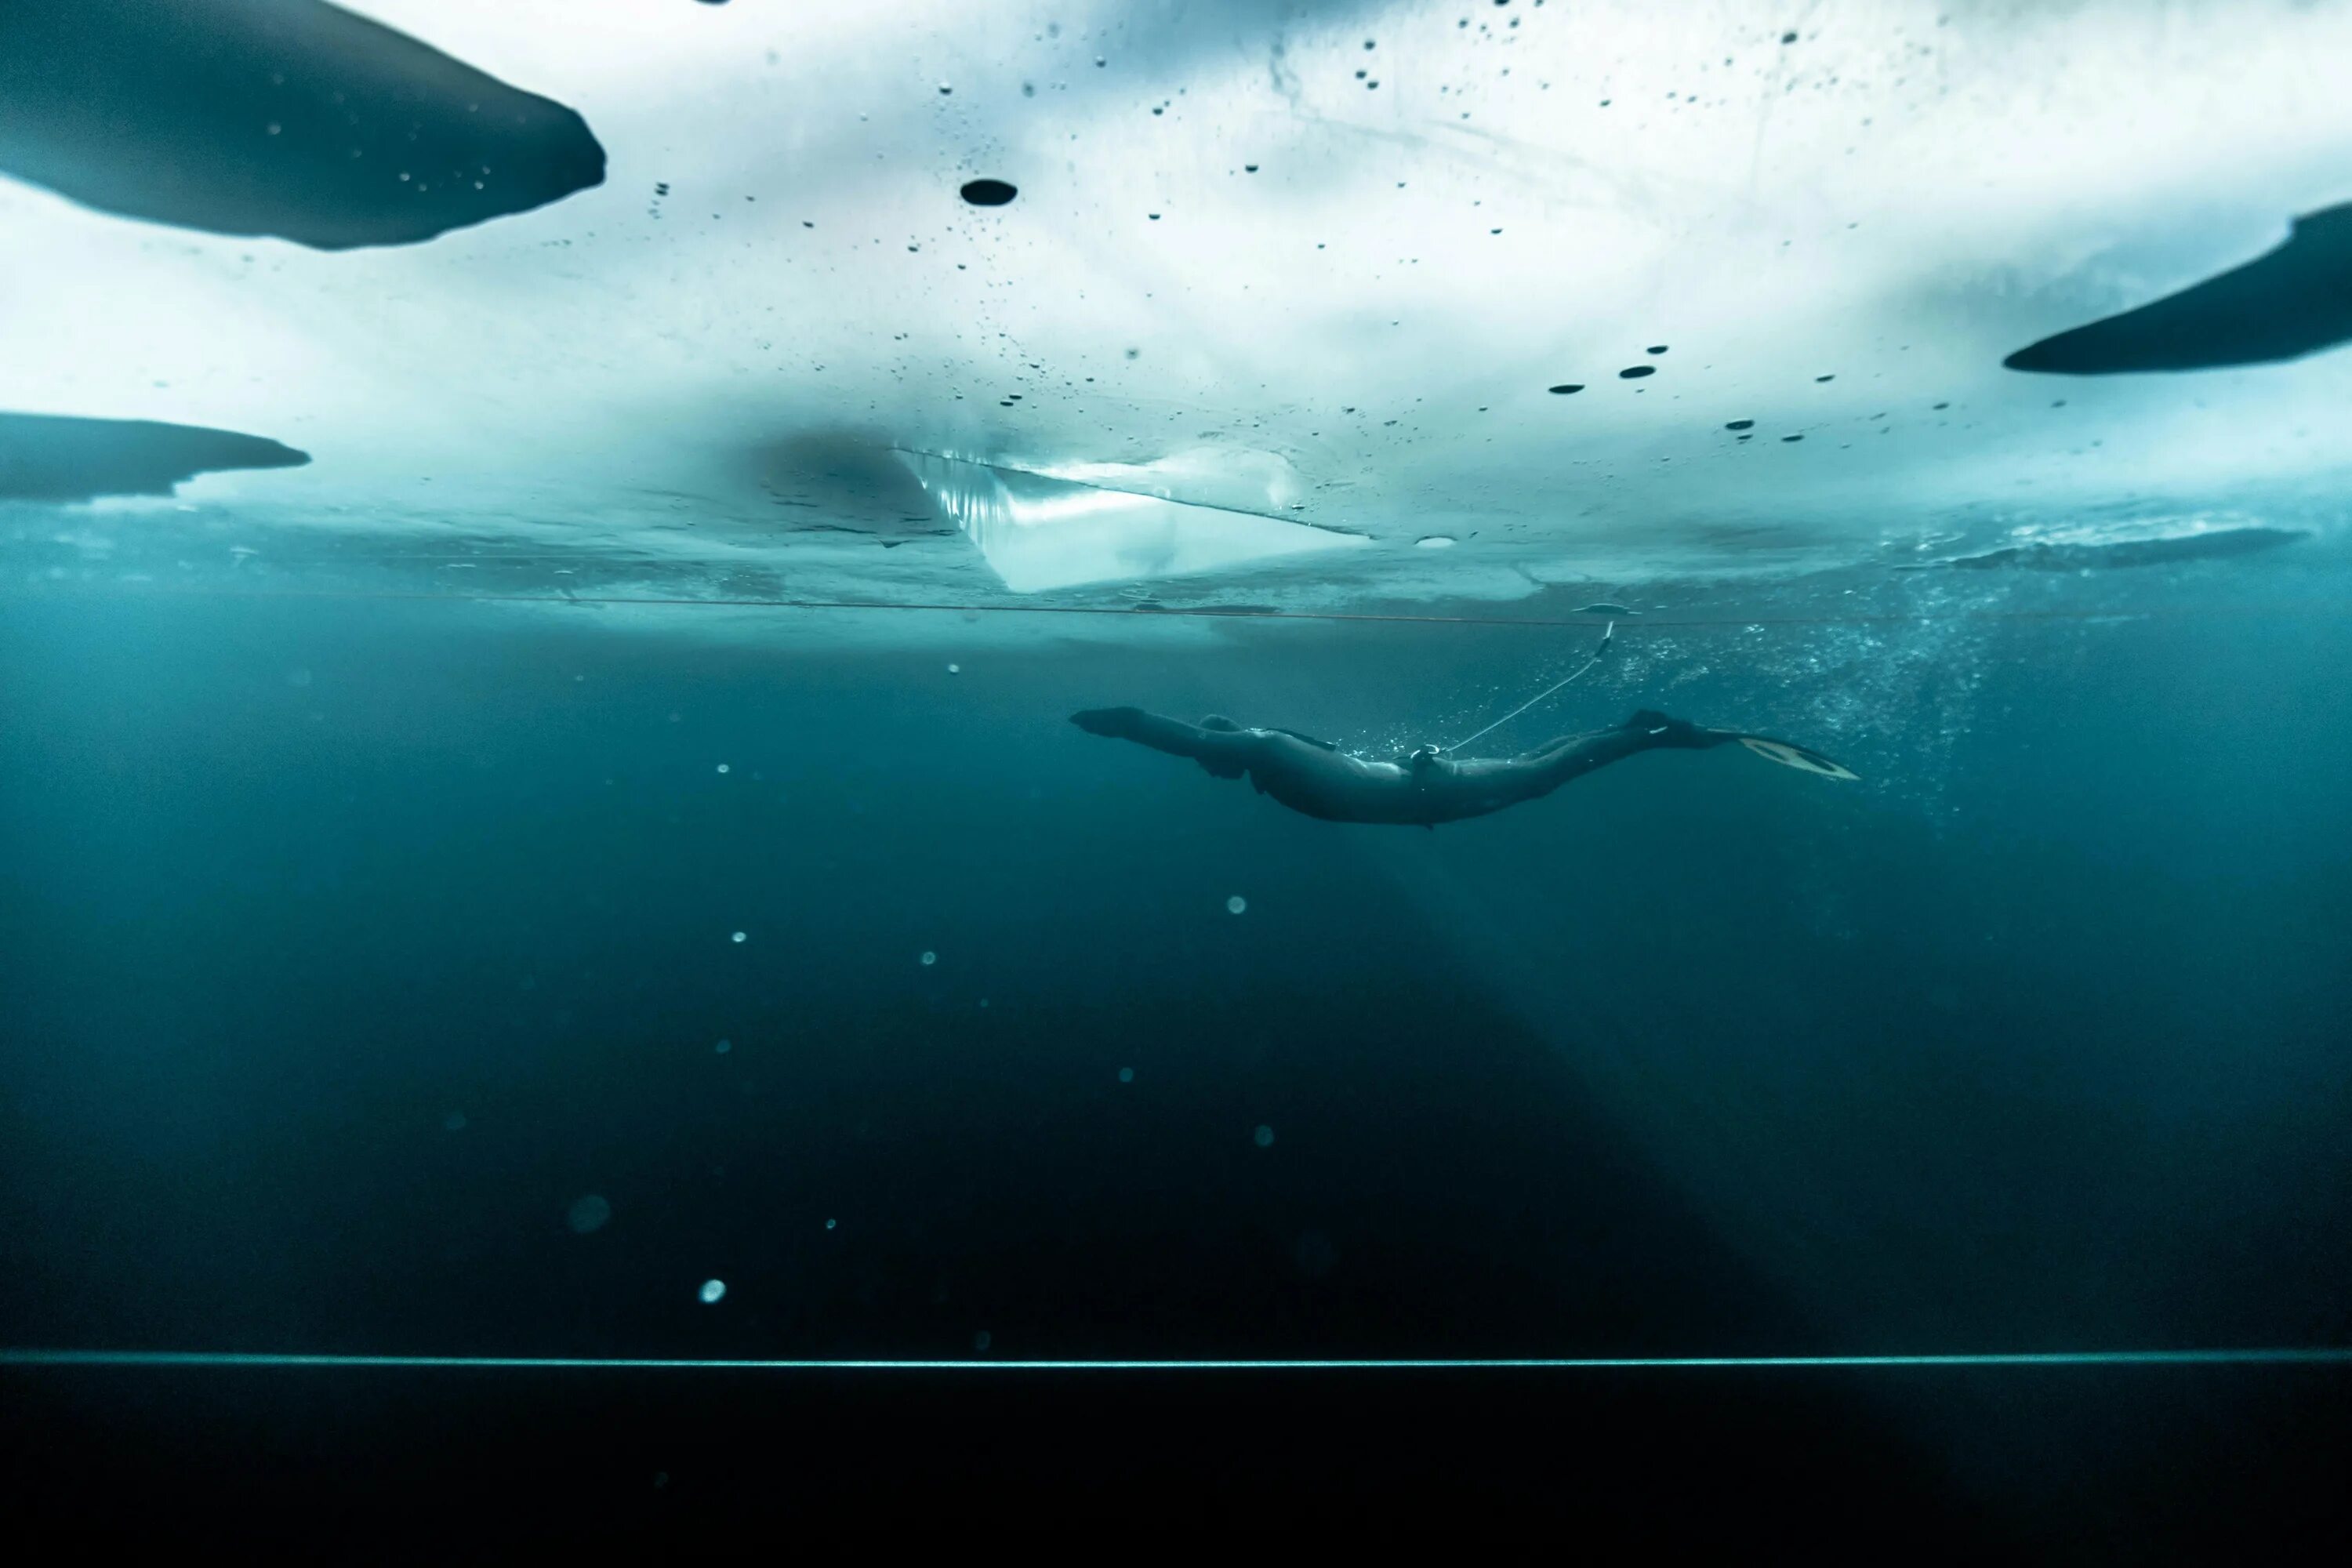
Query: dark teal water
{"x": 2032, "y": 1041}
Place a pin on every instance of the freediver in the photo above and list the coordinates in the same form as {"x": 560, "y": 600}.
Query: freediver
{"x": 1425, "y": 787}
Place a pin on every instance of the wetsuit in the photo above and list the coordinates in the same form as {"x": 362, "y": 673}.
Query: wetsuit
{"x": 1424, "y": 788}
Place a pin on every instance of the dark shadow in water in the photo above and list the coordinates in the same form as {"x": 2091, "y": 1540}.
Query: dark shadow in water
{"x": 50, "y": 458}
{"x": 2294, "y": 300}
{"x": 2131, "y": 551}
{"x": 273, "y": 117}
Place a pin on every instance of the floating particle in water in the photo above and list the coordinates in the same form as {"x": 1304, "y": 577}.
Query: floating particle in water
{"x": 1793, "y": 437}
{"x": 723, "y": 1047}
{"x": 588, "y": 1213}
{"x": 1236, "y": 904}
{"x": 945, "y": 90}
{"x": 1788, "y": 38}
{"x": 661, "y": 188}
{"x": 1262, "y": 1137}
{"x": 1655, "y": 349}
{"x": 1126, "y": 1075}
{"x": 712, "y": 1291}
{"x": 1941, "y": 406}
{"x": 740, "y": 936}
{"x": 1742, "y": 425}
{"x": 930, "y": 959}
{"x": 1434, "y": 542}
{"x": 722, "y": 767}
{"x": 454, "y": 1123}
{"x": 1135, "y": 353}
{"x": 831, "y": 1223}
{"x": 1249, "y": 168}
{"x": 955, "y": 669}
{"x": 988, "y": 192}
{"x": 1819, "y": 378}
{"x": 1565, "y": 387}
{"x": 1636, "y": 372}
{"x": 983, "y": 1340}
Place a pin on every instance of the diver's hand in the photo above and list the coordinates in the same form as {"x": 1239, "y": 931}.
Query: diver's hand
{"x": 1114, "y": 721}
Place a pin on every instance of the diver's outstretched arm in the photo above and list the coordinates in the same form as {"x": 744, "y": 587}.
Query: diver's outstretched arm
{"x": 1222, "y": 746}
{"x": 1156, "y": 731}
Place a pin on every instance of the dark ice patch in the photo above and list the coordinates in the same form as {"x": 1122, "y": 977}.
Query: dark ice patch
{"x": 52, "y": 457}
{"x": 2290, "y": 301}
{"x": 988, "y": 192}
{"x": 843, "y": 481}
{"x": 288, "y": 118}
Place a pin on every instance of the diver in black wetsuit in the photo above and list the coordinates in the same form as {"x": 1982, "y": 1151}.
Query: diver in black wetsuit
{"x": 1426, "y": 787}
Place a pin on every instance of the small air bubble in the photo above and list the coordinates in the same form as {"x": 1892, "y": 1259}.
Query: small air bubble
{"x": 1236, "y": 904}
{"x": 712, "y": 1291}
{"x": 740, "y": 936}
{"x": 930, "y": 959}
{"x": 1262, "y": 1137}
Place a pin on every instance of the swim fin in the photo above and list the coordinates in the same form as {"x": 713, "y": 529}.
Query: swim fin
{"x": 1790, "y": 755}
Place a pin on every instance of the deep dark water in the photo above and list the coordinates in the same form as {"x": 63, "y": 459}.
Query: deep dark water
{"x": 2035, "y": 1041}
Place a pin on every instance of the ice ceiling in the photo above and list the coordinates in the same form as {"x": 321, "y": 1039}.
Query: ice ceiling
{"x": 1283, "y": 294}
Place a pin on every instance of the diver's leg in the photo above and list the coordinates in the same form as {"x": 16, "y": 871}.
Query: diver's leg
{"x": 1572, "y": 757}
{"x": 1540, "y": 752}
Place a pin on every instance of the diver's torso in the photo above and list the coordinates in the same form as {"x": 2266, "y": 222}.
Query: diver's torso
{"x": 1337, "y": 787}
